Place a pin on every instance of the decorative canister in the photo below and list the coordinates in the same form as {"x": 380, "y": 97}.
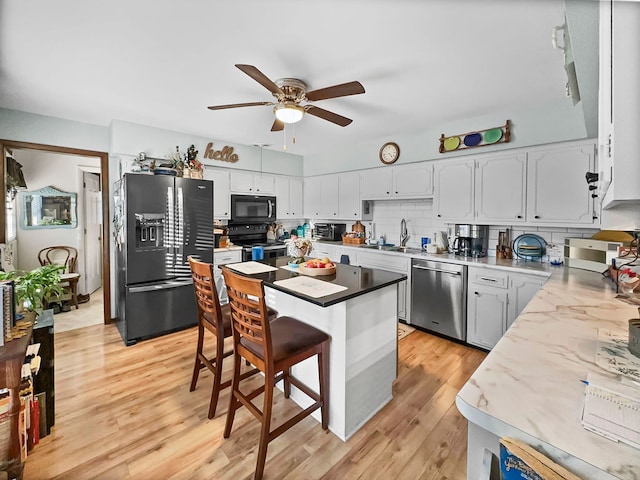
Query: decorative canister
{"x": 634, "y": 336}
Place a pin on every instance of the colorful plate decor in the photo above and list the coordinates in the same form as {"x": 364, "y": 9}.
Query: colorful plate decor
{"x": 451, "y": 143}
{"x": 472, "y": 139}
{"x": 493, "y": 135}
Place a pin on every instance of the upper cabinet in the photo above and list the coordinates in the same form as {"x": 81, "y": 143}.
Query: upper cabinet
{"x": 221, "y": 198}
{"x": 321, "y": 197}
{"x": 349, "y": 203}
{"x": 557, "y": 190}
{"x": 402, "y": 181}
{"x": 619, "y": 98}
{"x": 500, "y": 188}
{"x": 288, "y": 192}
{"x": 454, "y": 190}
{"x": 256, "y": 183}
{"x": 541, "y": 186}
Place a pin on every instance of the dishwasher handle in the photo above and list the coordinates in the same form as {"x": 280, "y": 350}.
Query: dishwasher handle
{"x": 437, "y": 270}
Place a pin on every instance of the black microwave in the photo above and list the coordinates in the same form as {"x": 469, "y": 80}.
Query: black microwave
{"x": 253, "y": 209}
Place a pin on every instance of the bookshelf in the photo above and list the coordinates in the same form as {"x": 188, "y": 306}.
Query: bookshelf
{"x": 12, "y": 355}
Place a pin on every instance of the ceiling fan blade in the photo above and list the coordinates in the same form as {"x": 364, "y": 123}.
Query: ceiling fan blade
{"x": 236, "y": 105}
{"x": 327, "y": 115}
{"x": 260, "y": 77}
{"x": 277, "y": 126}
{"x": 342, "y": 90}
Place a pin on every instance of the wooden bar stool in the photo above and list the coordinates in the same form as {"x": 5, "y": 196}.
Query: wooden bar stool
{"x": 216, "y": 319}
{"x": 273, "y": 347}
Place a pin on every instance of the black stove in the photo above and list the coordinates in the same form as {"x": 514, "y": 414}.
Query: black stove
{"x": 255, "y": 235}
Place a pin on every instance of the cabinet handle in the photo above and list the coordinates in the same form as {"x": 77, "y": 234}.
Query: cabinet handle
{"x": 439, "y": 215}
{"x": 518, "y": 216}
{"x": 536, "y": 216}
{"x": 396, "y": 193}
{"x": 488, "y": 279}
{"x": 387, "y": 193}
{"x": 476, "y": 293}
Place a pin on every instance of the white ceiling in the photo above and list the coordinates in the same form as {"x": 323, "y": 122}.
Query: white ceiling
{"x": 161, "y": 62}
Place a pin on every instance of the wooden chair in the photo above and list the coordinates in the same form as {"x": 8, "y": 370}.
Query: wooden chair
{"x": 67, "y": 257}
{"x": 273, "y": 347}
{"x": 216, "y": 319}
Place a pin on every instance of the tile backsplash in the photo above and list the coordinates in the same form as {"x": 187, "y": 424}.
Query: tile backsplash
{"x": 419, "y": 216}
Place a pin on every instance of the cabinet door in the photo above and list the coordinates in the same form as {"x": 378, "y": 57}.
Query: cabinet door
{"x": 486, "y": 315}
{"x": 241, "y": 182}
{"x": 264, "y": 184}
{"x": 295, "y": 197}
{"x": 413, "y": 181}
{"x": 221, "y": 197}
{"x": 454, "y": 190}
{"x": 522, "y": 288}
{"x": 321, "y": 250}
{"x": 557, "y": 191}
{"x": 283, "y": 197}
{"x": 376, "y": 183}
{"x": 393, "y": 264}
{"x": 501, "y": 188}
{"x": 349, "y": 204}
{"x": 312, "y": 189}
{"x": 222, "y": 257}
{"x": 329, "y": 196}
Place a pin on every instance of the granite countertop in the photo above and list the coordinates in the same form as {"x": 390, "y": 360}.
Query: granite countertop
{"x": 529, "y": 385}
{"x": 358, "y": 280}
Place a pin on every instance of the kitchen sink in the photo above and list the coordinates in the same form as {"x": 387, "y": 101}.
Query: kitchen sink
{"x": 385, "y": 248}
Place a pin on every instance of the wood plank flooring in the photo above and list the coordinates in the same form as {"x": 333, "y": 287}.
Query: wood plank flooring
{"x": 127, "y": 413}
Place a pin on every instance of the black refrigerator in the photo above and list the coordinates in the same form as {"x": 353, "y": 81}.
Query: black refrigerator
{"x": 159, "y": 220}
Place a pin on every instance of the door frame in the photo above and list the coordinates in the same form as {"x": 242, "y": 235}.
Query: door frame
{"x": 81, "y": 170}
{"x": 104, "y": 185}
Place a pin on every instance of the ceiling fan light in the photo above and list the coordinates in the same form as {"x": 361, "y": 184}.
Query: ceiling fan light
{"x": 288, "y": 113}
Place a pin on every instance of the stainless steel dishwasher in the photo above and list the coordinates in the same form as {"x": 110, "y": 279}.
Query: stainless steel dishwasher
{"x": 439, "y": 297}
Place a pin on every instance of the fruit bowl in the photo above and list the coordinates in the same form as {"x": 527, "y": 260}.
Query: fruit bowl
{"x": 315, "y": 268}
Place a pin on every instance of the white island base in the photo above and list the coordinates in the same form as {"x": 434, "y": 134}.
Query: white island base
{"x": 363, "y": 353}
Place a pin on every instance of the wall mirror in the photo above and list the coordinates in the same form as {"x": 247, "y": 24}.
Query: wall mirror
{"x": 48, "y": 208}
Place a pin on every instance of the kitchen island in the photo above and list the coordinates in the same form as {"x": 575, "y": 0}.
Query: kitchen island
{"x": 362, "y": 322}
{"x": 529, "y": 387}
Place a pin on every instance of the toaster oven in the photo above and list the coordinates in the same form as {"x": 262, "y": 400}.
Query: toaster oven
{"x": 329, "y": 231}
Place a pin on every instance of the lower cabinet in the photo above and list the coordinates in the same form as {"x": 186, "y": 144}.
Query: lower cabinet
{"x": 223, "y": 257}
{"x": 392, "y": 263}
{"x": 495, "y": 298}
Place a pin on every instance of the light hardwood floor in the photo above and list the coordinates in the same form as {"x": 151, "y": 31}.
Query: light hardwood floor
{"x": 126, "y": 412}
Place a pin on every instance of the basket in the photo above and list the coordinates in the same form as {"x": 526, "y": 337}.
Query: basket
{"x": 353, "y": 241}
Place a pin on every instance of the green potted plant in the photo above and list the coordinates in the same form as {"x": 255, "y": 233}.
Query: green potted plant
{"x": 31, "y": 288}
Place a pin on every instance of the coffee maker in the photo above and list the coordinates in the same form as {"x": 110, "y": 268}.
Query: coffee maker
{"x": 471, "y": 240}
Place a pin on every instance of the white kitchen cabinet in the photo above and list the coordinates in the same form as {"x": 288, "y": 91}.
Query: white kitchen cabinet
{"x": 392, "y": 263}
{"x": 321, "y": 197}
{"x": 349, "y": 203}
{"x": 413, "y": 181}
{"x": 454, "y": 190}
{"x": 557, "y": 192}
{"x": 486, "y": 315}
{"x": 322, "y": 249}
{"x": 221, "y": 198}
{"x": 402, "y": 181}
{"x": 619, "y": 97}
{"x": 256, "y": 183}
{"x": 500, "y": 184}
{"x": 522, "y": 288}
{"x": 288, "y": 192}
{"x": 223, "y": 256}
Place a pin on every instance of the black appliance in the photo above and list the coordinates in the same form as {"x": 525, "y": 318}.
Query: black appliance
{"x": 255, "y": 235}
{"x": 252, "y": 209}
{"x": 159, "y": 220}
{"x": 471, "y": 240}
{"x": 329, "y": 231}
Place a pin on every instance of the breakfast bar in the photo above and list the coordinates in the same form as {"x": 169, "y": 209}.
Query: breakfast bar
{"x": 361, "y": 319}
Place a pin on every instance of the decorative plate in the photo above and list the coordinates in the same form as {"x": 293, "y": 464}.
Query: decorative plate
{"x": 451, "y": 143}
{"x": 472, "y": 139}
{"x": 493, "y": 135}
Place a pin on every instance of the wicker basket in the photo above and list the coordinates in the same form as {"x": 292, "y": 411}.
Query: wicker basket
{"x": 353, "y": 241}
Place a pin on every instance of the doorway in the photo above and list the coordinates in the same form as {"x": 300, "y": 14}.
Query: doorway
{"x": 104, "y": 207}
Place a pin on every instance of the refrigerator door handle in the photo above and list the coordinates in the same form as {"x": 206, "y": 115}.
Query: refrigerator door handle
{"x": 179, "y": 241}
{"x": 161, "y": 286}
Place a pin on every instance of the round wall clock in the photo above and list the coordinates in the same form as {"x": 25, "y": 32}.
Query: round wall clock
{"x": 389, "y": 153}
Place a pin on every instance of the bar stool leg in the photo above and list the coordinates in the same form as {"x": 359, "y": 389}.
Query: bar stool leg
{"x": 323, "y": 371}
{"x": 217, "y": 377}
{"x": 234, "y": 403}
{"x": 266, "y": 425}
{"x": 198, "y": 364}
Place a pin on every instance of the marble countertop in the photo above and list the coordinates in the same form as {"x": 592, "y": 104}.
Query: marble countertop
{"x": 529, "y": 385}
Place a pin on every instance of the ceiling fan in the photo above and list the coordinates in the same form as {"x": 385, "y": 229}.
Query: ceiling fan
{"x": 290, "y": 93}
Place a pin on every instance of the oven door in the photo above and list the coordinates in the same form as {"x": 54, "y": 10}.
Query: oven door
{"x": 253, "y": 209}
{"x": 269, "y": 252}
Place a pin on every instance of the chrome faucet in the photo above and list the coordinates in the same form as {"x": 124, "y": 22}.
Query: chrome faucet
{"x": 404, "y": 236}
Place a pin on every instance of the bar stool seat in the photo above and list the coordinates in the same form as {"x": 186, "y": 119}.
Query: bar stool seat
{"x": 273, "y": 347}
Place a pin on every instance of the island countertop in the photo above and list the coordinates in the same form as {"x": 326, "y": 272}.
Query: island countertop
{"x": 529, "y": 386}
{"x": 357, "y": 280}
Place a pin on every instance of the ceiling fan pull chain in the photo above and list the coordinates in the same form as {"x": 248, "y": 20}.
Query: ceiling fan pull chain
{"x": 284, "y": 131}
{"x": 293, "y": 137}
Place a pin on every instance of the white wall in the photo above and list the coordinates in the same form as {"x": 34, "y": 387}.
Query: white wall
{"x": 42, "y": 169}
